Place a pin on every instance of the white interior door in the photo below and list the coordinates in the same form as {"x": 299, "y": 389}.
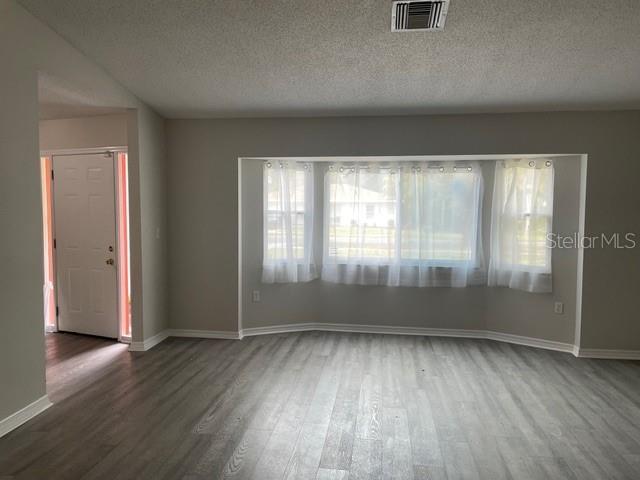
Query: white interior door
{"x": 85, "y": 238}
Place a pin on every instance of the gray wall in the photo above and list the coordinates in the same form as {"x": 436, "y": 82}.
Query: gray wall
{"x": 203, "y": 166}
{"x": 21, "y": 318}
{"x": 85, "y": 132}
{"x": 473, "y": 308}
{"x": 153, "y": 204}
{"x": 28, "y": 49}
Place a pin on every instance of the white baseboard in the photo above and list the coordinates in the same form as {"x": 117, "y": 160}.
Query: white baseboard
{"x": 24, "y": 415}
{"x": 354, "y": 328}
{"x": 608, "y": 354}
{"x": 529, "y": 341}
{"x": 149, "y": 343}
{"x": 293, "y": 327}
{"x": 429, "y": 332}
{"x": 388, "y": 330}
{"x": 221, "y": 334}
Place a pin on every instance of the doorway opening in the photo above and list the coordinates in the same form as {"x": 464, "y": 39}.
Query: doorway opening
{"x": 85, "y": 205}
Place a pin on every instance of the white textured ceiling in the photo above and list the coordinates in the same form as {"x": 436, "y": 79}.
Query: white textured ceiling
{"x": 217, "y": 58}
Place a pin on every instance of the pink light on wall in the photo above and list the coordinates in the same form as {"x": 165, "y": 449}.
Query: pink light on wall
{"x": 124, "y": 282}
{"x": 50, "y": 322}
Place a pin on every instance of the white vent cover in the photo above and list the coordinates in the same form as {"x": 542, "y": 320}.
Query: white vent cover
{"x": 416, "y": 15}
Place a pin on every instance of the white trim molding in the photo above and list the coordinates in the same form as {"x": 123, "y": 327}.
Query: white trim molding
{"x": 529, "y": 341}
{"x": 427, "y": 332}
{"x": 607, "y": 354}
{"x": 388, "y": 330}
{"x": 24, "y": 415}
{"x": 221, "y": 334}
{"x": 354, "y": 328}
{"x": 83, "y": 151}
{"x": 149, "y": 343}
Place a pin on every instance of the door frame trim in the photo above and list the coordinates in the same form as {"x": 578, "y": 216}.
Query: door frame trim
{"x": 83, "y": 151}
{"x": 114, "y": 151}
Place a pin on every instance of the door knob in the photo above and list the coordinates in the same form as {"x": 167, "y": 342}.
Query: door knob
{"x": 110, "y": 261}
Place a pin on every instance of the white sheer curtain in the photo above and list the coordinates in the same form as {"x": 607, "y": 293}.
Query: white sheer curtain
{"x": 521, "y": 219}
{"x": 403, "y": 224}
{"x": 288, "y": 222}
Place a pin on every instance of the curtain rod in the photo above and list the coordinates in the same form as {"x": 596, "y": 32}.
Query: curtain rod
{"x": 415, "y": 165}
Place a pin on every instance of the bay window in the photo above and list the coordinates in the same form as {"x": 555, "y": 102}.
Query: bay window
{"x": 413, "y": 224}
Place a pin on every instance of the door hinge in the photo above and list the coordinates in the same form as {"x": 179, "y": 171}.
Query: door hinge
{"x": 57, "y": 311}
{"x": 53, "y": 176}
{"x": 55, "y": 244}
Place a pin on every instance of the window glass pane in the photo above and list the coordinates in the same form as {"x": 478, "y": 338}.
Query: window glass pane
{"x": 284, "y": 216}
{"x": 528, "y": 207}
{"x": 362, "y": 213}
{"x": 436, "y": 213}
{"x": 277, "y": 243}
{"x": 439, "y": 215}
{"x": 285, "y": 190}
{"x": 530, "y": 234}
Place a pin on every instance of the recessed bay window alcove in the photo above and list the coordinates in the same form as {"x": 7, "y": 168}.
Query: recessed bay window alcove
{"x": 451, "y": 245}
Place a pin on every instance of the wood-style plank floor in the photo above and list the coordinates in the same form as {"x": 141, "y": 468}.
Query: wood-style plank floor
{"x": 320, "y": 405}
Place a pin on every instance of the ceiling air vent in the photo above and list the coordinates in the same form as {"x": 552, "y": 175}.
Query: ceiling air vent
{"x": 414, "y": 15}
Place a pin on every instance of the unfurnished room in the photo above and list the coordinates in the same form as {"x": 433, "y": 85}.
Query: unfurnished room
{"x": 320, "y": 239}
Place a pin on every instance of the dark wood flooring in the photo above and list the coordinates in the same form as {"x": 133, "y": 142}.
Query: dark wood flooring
{"x": 319, "y": 405}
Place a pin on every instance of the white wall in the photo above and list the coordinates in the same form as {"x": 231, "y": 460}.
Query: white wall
{"x": 472, "y": 308}
{"x": 203, "y": 157}
{"x": 28, "y": 49}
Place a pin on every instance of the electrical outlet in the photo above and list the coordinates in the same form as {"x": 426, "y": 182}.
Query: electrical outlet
{"x": 256, "y": 295}
{"x": 558, "y": 308}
